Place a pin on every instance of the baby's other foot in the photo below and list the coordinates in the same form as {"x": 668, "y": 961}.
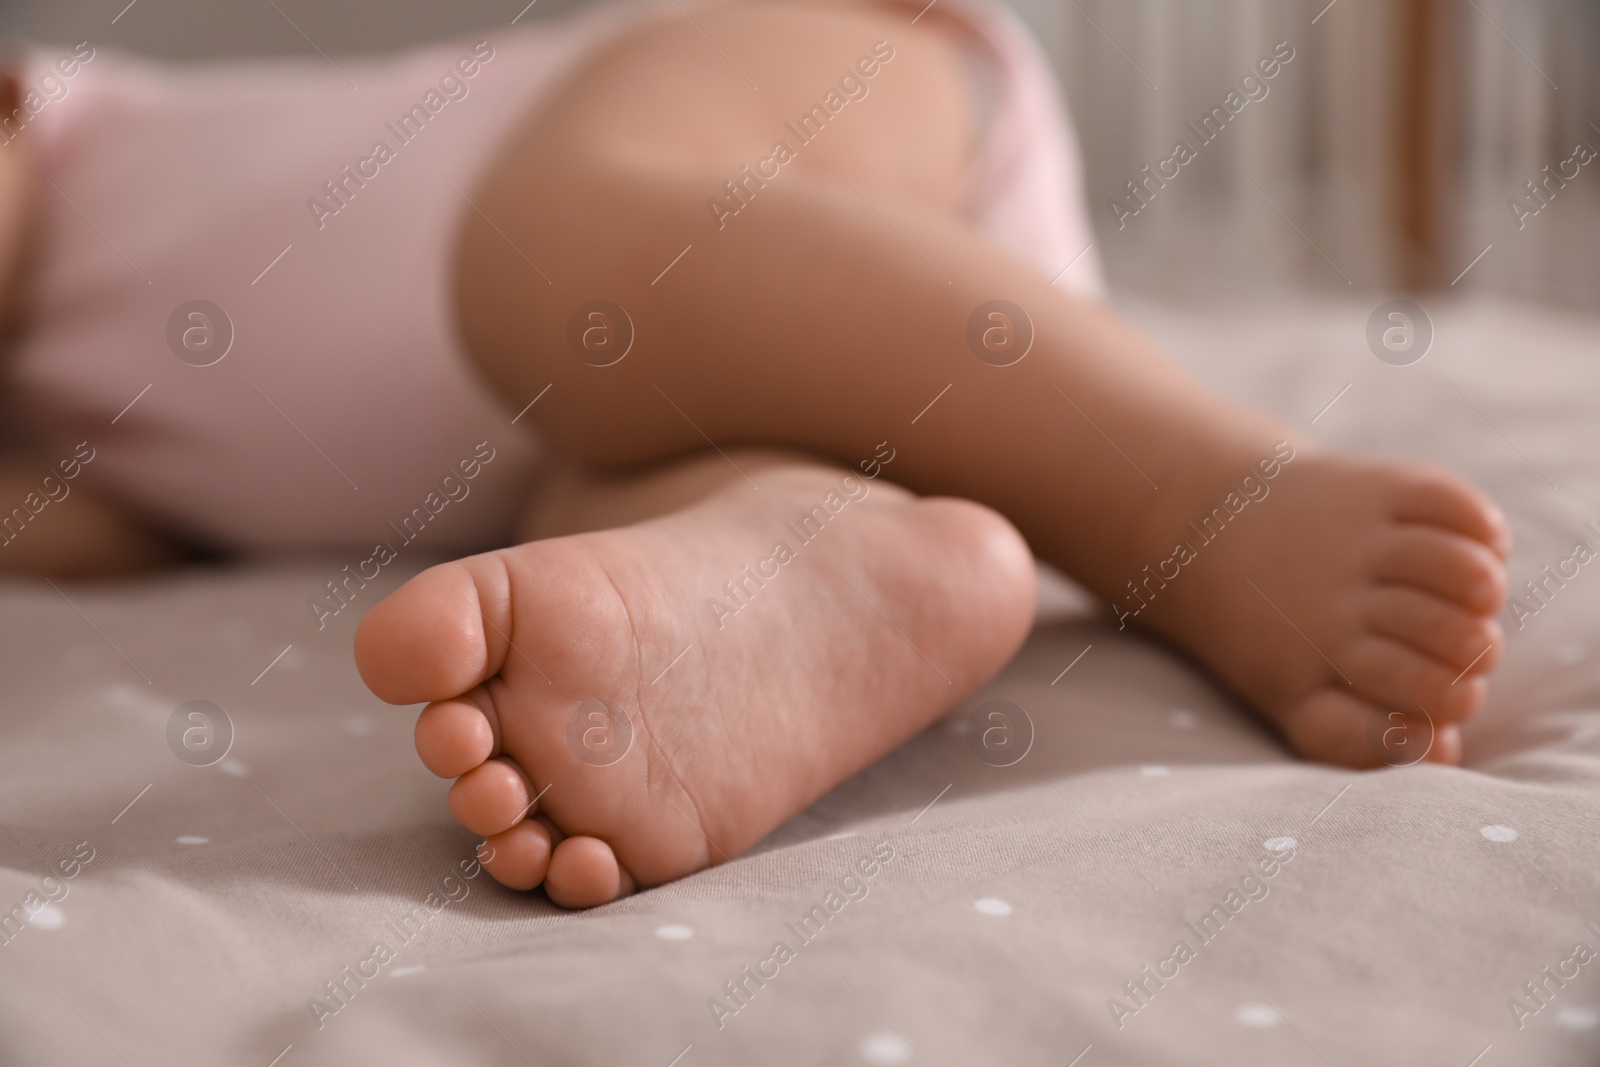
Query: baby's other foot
{"x": 881, "y": 613}
{"x": 1353, "y": 604}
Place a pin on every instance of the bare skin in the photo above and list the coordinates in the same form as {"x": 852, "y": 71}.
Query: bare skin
{"x": 1359, "y": 588}
{"x": 738, "y": 721}
{"x": 821, "y": 319}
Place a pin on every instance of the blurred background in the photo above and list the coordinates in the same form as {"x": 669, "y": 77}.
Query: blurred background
{"x": 1386, "y": 156}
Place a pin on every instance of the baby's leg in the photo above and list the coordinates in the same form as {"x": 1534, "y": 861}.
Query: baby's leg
{"x": 835, "y": 307}
{"x": 58, "y": 529}
{"x": 754, "y": 646}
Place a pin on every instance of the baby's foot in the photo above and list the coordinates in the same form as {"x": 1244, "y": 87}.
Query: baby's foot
{"x": 1355, "y": 594}
{"x": 895, "y": 611}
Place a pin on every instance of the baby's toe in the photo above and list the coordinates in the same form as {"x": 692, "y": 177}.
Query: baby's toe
{"x": 1436, "y": 627}
{"x": 1428, "y": 494}
{"x": 492, "y": 797}
{"x": 1337, "y": 726}
{"x": 1391, "y": 674}
{"x": 518, "y": 857}
{"x": 1460, "y": 570}
{"x": 429, "y": 640}
{"x": 454, "y": 736}
{"x": 584, "y": 873}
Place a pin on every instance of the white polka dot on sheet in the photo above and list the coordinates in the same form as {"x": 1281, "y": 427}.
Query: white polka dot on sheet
{"x": 401, "y": 972}
{"x": 674, "y": 932}
{"x": 1183, "y": 718}
{"x": 1569, "y": 654}
{"x": 1259, "y": 1016}
{"x": 48, "y": 917}
{"x": 1576, "y": 1017}
{"x": 1155, "y": 770}
{"x": 993, "y": 907}
{"x": 191, "y": 839}
{"x": 359, "y": 725}
{"x": 885, "y": 1048}
{"x": 1279, "y": 844}
{"x": 237, "y": 768}
{"x": 1496, "y": 832}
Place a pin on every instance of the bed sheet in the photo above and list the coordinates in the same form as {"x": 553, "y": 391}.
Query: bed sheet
{"x": 1020, "y": 914}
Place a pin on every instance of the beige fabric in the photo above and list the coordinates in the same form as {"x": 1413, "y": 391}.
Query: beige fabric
{"x": 1394, "y": 935}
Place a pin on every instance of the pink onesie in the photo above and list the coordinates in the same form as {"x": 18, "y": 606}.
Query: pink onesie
{"x": 243, "y": 305}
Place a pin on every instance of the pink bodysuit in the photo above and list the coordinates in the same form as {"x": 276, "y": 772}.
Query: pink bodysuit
{"x": 243, "y": 305}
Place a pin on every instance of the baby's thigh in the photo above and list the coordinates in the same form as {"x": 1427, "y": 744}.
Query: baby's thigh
{"x": 852, "y": 90}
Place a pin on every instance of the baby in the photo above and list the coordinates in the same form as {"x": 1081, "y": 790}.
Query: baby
{"x": 747, "y": 353}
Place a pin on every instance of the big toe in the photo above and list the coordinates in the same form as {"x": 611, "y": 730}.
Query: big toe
{"x": 426, "y": 641}
{"x": 1391, "y": 674}
{"x": 1335, "y": 726}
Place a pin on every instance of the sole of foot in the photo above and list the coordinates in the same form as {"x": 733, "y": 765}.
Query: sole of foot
{"x": 628, "y": 707}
